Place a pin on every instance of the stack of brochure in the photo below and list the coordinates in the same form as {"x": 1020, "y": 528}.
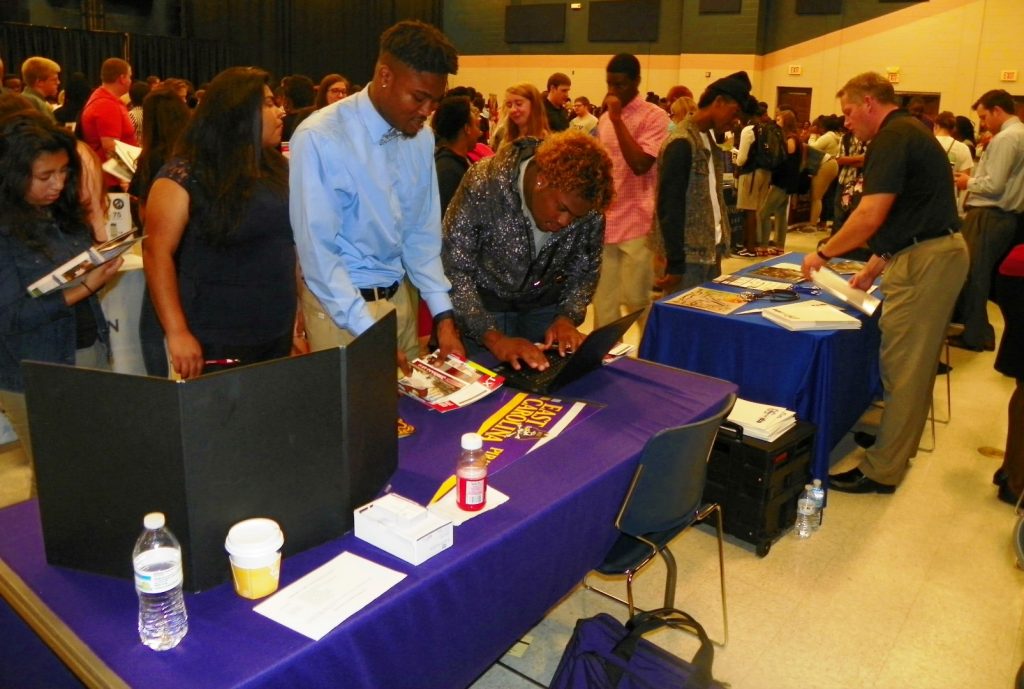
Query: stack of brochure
{"x": 811, "y": 315}
{"x": 446, "y": 383}
{"x": 762, "y": 421}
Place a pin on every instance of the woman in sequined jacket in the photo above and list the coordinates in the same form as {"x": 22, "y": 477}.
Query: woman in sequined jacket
{"x": 522, "y": 246}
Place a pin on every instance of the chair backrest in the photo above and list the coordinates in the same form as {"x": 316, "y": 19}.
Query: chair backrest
{"x": 673, "y": 470}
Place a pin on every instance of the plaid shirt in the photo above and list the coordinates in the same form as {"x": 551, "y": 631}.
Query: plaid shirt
{"x": 632, "y": 212}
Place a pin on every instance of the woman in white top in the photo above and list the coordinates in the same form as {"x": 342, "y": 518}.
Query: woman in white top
{"x": 828, "y": 143}
{"x": 957, "y": 151}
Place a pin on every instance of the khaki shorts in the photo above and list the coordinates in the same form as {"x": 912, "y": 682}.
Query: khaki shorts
{"x": 751, "y": 189}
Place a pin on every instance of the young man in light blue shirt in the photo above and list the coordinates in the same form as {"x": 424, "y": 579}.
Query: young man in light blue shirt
{"x": 365, "y": 207}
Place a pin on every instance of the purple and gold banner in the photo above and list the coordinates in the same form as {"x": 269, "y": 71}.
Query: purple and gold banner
{"x": 527, "y": 422}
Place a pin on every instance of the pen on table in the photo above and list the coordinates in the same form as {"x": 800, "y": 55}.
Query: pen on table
{"x": 222, "y": 362}
{"x": 445, "y": 488}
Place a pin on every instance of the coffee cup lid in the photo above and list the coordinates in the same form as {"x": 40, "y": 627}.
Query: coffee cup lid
{"x": 254, "y": 537}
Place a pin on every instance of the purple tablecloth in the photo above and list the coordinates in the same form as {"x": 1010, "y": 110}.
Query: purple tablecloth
{"x": 452, "y": 616}
{"x": 828, "y": 377}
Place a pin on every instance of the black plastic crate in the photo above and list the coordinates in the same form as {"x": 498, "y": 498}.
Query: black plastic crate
{"x": 758, "y": 483}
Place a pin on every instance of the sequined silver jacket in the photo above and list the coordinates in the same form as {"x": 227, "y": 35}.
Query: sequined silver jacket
{"x": 488, "y": 249}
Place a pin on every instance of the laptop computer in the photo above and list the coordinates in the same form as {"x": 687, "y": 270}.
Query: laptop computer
{"x": 564, "y": 370}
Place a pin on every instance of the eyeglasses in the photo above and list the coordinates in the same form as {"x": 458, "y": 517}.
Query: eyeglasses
{"x": 779, "y": 295}
{"x": 771, "y": 295}
{"x": 338, "y": 92}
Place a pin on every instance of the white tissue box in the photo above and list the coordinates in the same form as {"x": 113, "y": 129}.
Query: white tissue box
{"x": 403, "y": 528}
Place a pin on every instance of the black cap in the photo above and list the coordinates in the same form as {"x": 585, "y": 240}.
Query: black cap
{"x": 736, "y": 86}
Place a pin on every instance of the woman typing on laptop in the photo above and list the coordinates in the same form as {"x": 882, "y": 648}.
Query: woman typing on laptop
{"x": 522, "y": 246}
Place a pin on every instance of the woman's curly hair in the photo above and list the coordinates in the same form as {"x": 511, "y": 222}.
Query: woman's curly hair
{"x": 576, "y": 162}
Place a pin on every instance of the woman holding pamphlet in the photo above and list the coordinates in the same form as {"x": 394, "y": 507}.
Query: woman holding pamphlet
{"x": 43, "y": 224}
{"x": 219, "y": 257}
{"x": 522, "y": 245}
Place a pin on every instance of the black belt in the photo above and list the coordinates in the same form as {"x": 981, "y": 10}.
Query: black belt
{"x": 991, "y": 208}
{"x": 917, "y": 239}
{"x": 378, "y": 293}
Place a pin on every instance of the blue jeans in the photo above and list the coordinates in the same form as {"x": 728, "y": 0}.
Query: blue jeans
{"x": 530, "y": 325}
{"x": 699, "y": 273}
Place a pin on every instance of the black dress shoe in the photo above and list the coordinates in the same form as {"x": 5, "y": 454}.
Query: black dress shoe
{"x": 1005, "y": 494}
{"x": 863, "y": 439}
{"x": 999, "y": 477}
{"x": 854, "y": 481}
{"x": 958, "y": 342}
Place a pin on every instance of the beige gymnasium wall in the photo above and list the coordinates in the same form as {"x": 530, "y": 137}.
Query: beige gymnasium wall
{"x": 957, "y": 48}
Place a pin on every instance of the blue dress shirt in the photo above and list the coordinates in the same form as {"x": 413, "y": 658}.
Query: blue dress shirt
{"x": 365, "y": 209}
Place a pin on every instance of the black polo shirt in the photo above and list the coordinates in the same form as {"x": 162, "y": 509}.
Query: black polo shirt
{"x": 558, "y": 118}
{"x": 905, "y": 159}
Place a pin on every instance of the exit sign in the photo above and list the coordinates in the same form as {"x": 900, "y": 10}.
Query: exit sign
{"x": 795, "y": 70}
{"x": 1008, "y": 75}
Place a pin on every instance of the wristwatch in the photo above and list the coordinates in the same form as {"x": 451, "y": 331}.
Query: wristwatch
{"x": 822, "y": 256}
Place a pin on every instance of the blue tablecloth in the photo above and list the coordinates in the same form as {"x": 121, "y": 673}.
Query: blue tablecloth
{"x": 828, "y": 377}
{"x": 452, "y": 616}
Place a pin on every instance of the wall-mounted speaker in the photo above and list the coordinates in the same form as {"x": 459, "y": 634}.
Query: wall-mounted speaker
{"x": 624, "y": 21}
{"x": 535, "y": 23}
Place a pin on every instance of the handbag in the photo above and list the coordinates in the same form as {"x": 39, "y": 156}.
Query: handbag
{"x": 603, "y": 653}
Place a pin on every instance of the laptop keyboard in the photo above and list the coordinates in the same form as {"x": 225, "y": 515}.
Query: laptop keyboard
{"x": 555, "y": 365}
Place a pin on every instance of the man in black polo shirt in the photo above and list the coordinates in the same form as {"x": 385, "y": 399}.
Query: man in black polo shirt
{"x": 555, "y": 99}
{"x": 908, "y": 218}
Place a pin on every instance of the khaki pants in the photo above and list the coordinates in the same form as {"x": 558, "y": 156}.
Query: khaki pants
{"x": 323, "y": 333}
{"x": 819, "y": 185}
{"x": 627, "y": 273}
{"x": 13, "y": 403}
{"x": 921, "y": 284}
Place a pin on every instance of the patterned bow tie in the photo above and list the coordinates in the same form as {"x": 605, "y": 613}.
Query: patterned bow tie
{"x": 390, "y": 135}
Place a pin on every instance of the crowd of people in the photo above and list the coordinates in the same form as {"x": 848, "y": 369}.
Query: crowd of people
{"x": 284, "y": 217}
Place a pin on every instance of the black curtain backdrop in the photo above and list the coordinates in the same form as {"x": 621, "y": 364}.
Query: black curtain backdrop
{"x": 75, "y": 50}
{"x": 311, "y": 37}
{"x": 166, "y": 57}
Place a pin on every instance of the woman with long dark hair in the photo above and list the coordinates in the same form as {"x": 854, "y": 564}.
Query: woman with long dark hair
{"x": 164, "y": 117}
{"x": 219, "y": 257}
{"x": 42, "y": 225}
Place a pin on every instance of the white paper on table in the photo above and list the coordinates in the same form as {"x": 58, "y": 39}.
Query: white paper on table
{"x": 329, "y": 595}
{"x": 447, "y": 508}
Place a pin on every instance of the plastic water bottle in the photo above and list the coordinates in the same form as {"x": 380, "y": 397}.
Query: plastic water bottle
{"x": 805, "y": 513}
{"x": 163, "y": 621}
{"x": 818, "y": 493}
{"x": 471, "y": 474}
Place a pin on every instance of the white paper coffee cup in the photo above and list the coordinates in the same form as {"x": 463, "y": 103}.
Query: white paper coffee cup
{"x": 254, "y": 548}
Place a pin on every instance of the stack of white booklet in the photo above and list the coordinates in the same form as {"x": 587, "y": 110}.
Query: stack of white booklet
{"x": 762, "y": 421}
{"x": 811, "y": 315}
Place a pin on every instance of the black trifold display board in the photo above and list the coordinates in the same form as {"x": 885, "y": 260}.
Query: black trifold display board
{"x": 301, "y": 440}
